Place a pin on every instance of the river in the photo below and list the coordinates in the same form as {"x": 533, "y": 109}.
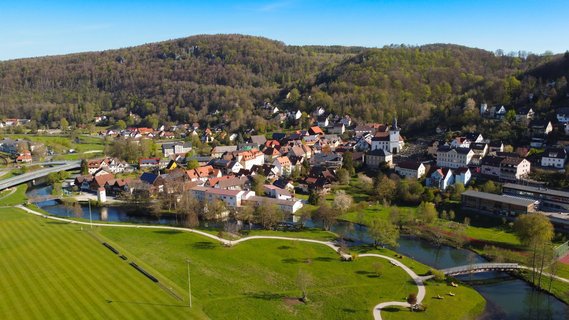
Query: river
{"x": 508, "y": 299}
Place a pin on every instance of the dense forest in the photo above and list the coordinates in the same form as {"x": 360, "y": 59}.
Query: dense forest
{"x": 190, "y": 79}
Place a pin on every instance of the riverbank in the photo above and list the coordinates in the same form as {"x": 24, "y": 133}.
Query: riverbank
{"x": 494, "y": 244}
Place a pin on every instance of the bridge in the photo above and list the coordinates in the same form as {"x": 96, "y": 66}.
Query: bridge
{"x": 481, "y": 267}
{"x": 54, "y": 167}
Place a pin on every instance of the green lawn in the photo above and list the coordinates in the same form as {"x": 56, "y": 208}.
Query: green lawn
{"x": 257, "y": 279}
{"x": 53, "y": 270}
{"x": 9, "y": 197}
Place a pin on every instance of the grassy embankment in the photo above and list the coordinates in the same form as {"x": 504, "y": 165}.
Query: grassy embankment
{"x": 53, "y": 270}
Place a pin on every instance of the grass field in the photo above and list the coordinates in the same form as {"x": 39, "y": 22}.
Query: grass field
{"x": 257, "y": 279}
{"x": 13, "y": 196}
{"x": 52, "y": 270}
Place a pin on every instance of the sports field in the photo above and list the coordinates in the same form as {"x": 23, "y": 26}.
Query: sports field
{"x": 52, "y": 270}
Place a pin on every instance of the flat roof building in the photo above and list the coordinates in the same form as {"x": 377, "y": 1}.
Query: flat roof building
{"x": 497, "y": 204}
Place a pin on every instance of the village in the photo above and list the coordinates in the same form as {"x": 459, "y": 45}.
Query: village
{"x": 292, "y": 168}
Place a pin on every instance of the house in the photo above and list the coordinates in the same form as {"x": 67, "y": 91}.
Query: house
{"x": 93, "y": 182}
{"x": 327, "y": 160}
{"x": 474, "y": 137}
{"x": 479, "y": 148}
{"x": 540, "y": 128}
{"x": 10, "y": 146}
{"x": 218, "y": 151}
{"x": 289, "y": 206}
{"x": 116, "y": 186}
{"x": 554, "y": 157}
{"x": 228, "y": 183}
{"x": 271, "y": 154}
{"x": 203, "y": 173}
{"x": 375, "y": 158}
{"x": 462, "y": 175}
{"x": 267, "y": 170}
{"x": 176, "y": 148}
{"x": 514, "y": 168}
{"x": 391, "y": 141}
{"x": 319, "y": 111}
{"x": 453, "y": 158}
{"x": 362, "y": 130}
{"x": 524, "y": 114}
{"x": 149, "y": 163}
{"x": 500, "y": 112}
{"x": 460, "y": 142}
{"x": 226, "y": 166}
{"x": 283, "y": 183}
{"x": 315, "y": 130}
{"x": 495, "y": 146}
{"x": 490, "y": 166}
{"x": 441, "y": 178}
{"x": 276, "y": 192}
{"x": 24, "y": 157}
{"x": 250, "y": 158}
{"x": 323, "y": 121}
{"x": 338, "y": 128}
{"x": 410, "y": 169}
{"x": 283, "y": 165}
{"x": 258, "y": 139}
{"x": 563, "y": 115}
{"x": 231, "y": 198}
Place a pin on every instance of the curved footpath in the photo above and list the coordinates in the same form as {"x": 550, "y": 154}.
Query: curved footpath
{"x": 376, "y": 310}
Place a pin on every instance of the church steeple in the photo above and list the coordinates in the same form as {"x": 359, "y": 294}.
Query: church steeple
{"x": 394, "y": 124}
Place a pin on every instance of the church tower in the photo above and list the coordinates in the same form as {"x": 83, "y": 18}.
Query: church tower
{"x": 394, "y": 145}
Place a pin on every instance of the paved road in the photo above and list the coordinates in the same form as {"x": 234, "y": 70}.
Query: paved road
{"x": 376, "y": 310}
{"x": 23, "y": 178}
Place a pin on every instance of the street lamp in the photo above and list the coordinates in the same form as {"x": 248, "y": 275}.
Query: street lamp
{"x": 189, "y": 283}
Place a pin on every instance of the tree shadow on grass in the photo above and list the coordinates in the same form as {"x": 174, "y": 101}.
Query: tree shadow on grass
{"x": 204, "y": 245}
{"x": 284, "y": 247}
{"x": 369, "y": 274}
{"x": 391, "y": 309}
{"x": 324, "y": 259}
{"x": 264, "y": 295}
{"x": 291, "y": 260}
{"x": 168, "y": 231}
{"x": 347, "y": 310}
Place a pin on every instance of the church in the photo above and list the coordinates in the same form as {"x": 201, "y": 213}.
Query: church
{"x": 390, "y": 141}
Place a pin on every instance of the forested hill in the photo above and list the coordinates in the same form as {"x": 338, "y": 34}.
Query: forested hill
{"x": 188, "y": 79}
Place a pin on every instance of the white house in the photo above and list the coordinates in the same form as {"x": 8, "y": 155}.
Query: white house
{"x": 462, "y": 175}
{"x": 178, "y": 148}
{"x": 441, "y": 178}
{"x": 453, "y": 158}
{"x": 283, "y": 165}
{"x": 231, "y": 198}
{"x": 410, "y": 169}
{"x": 338, "y": 128}
{"x": 512, "y": 168}
{"x": 276, "y": 192}
{"x": 287, "y": 206}
{"x": 554, "y": 157}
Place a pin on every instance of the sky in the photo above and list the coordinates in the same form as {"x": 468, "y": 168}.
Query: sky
{"x": 39, "y": 28}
